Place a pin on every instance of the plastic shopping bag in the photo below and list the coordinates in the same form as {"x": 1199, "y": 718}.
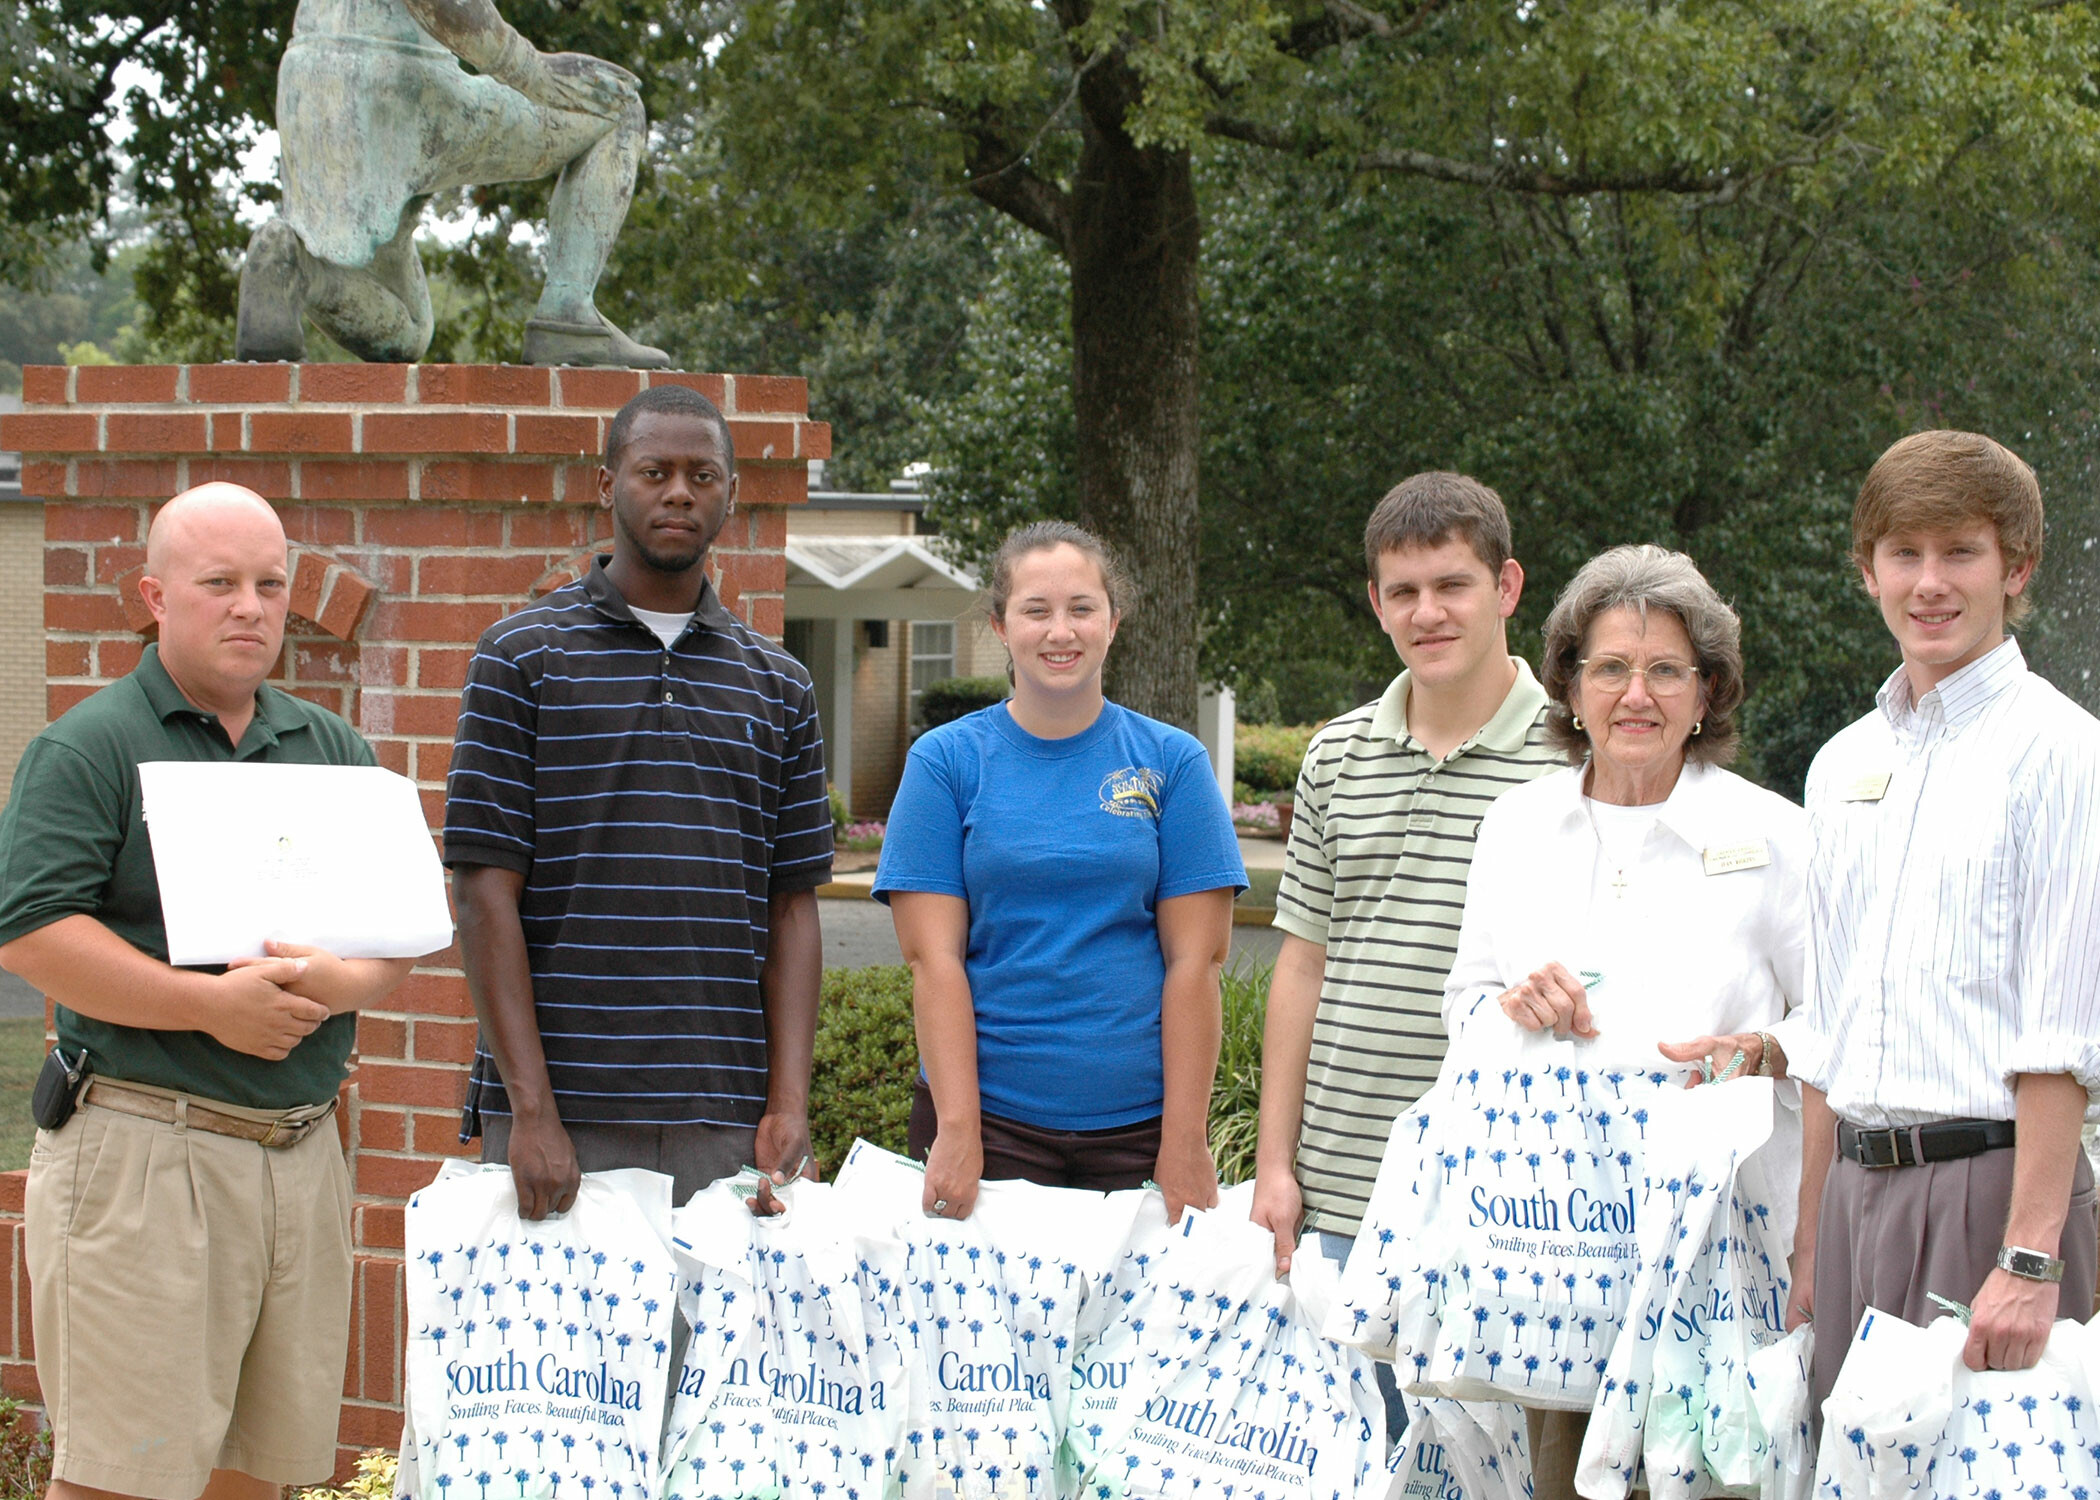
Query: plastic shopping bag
{"x": 1783, "y": 1393}
{"x": 1462, "y": 1450}
{"x": 983, "y": 1320}
{"x": 1908, "y": 1418}
{"x": 1710, "y": 1292}
{"x": 780, "y": 1393}
{"x": 538, "y": 1354}
{"x": 1502, "y": 1230}
{"x": 1220, "y": 1382}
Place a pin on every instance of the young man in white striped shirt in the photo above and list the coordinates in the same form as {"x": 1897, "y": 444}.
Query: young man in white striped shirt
{"x": 1951, "y": 1043}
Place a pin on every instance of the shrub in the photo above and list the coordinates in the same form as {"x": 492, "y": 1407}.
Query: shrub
{"x": 838, "y": 810}
{"x": 866, "y": 1059}
{"x": 25, "y": 1453}
{"x": 1263, "y": 771}
{"x": 1235, "y": 1096}
{"x": 952, "y": 697}
{"x": 1267, "y": 756}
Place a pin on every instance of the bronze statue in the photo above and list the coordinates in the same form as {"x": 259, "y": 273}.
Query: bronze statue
{"x": 376, "y": 114}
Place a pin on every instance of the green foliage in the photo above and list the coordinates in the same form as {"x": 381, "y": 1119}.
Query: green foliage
{"x": 25, "y": 1453}
{"x": 866, "y": 1059}
{"x": 1656, "y": 272}
{"x": 1715, "y": 378}
{"x": 1267, "y": 756}
{"x": 21, "y": 1057}
{"x": 1235, "y": 1098}
{"x": 212, "y": 72}
{"x": 952, "y": 697}
{"x": 873, "y": 312}
{"x": 1263, "y": 770}
{"x": 77, "y": 306}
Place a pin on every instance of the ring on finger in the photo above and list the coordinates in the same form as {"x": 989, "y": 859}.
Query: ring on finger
{"x": 940, "y": 1206}
{"x": 1735, "y": 1066}
{"x": 1706, "y": 1070}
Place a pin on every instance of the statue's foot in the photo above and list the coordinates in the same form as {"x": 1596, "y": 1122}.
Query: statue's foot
{"x": 554, "y": 341}
{"x": 271, "y": 324}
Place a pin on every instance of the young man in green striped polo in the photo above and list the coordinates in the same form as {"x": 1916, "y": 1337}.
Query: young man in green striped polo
{"x": 1375, "y": 876}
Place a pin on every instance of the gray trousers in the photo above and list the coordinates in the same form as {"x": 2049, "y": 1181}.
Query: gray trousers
{"x": 1888, "y": 1236}
{"x": 691, "y": 1155}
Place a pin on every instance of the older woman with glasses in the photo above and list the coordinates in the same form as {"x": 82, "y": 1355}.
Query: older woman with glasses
{"x": 1644, "y": 892}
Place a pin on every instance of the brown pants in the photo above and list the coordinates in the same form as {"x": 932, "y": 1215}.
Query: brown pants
{"x": 1888, "y": 1236}
{"x": 1102, "y": 1161}
{"x": 1556, "y": 1450}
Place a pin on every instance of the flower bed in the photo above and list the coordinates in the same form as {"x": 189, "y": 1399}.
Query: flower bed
{"x": 862, "y": 837}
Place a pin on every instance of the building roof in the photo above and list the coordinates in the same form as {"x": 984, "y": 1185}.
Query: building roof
{"x": 873, "y": 562}
{"x": 874, "y": 578}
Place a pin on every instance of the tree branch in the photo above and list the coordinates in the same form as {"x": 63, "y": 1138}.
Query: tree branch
{"x": 1713, "y": 188}
{"x": 1340, "y": 21}
{"x": 1001, "y": 177}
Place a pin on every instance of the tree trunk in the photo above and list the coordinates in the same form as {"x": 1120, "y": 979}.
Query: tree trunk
{"x": 1132, "y": 244}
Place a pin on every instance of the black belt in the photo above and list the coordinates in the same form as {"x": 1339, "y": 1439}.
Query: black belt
{"x": 1915, "y": 1145}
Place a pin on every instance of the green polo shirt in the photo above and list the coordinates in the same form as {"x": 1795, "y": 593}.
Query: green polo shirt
{"x": 73, "y": 840}
{"x": 1381, "y": 842}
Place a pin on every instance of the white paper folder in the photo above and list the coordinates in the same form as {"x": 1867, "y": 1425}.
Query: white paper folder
{"x": 333, "y": 856}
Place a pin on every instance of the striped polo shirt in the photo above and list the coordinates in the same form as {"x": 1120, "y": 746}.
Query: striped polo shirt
{"x": 1381, "y": 839}
{"x": 653, "y": 797}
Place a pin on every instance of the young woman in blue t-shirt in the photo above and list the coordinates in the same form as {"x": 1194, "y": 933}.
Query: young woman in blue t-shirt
{"x": 1061, "y": 872}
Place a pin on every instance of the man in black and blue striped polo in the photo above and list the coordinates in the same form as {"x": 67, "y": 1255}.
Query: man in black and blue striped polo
{"x": 637, "y": 822}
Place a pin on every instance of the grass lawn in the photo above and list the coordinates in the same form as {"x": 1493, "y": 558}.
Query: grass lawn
{"x": 21, "y": 1054}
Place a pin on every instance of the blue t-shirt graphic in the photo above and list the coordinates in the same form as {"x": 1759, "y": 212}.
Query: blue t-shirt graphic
{"x": 1062, "y": 848}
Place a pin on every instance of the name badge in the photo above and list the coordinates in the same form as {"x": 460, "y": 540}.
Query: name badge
{"x": 1867, "y": 788}
{"x": 1747, "y": 856}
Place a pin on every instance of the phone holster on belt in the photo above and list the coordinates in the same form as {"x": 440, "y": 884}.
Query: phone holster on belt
{"x": 58, "y": 1087}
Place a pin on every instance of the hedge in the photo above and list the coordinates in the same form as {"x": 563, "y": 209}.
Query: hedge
{"x": 867, "y": 1057}
{"x": 952, "y": 697}
{"x": 1267, "y": 756}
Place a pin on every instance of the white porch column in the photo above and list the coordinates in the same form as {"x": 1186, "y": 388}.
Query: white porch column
{"x": 1215, "y": 718}
{"x": 831, "y": 674}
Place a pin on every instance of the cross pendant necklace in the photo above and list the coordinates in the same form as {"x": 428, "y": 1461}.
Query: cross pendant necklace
{"x": 1618, "y": 875}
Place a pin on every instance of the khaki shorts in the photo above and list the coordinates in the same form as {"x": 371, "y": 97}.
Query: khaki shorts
{"x": 191, "y": 1302}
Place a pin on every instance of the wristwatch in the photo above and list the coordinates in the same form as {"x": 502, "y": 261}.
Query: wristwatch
{"x": 2030, "y": 1265}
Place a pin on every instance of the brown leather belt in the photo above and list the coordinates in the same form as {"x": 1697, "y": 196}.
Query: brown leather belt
{"x": 278, "y": 1132}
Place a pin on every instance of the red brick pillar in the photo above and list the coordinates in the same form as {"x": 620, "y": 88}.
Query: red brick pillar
{"x": 423, "y": 502}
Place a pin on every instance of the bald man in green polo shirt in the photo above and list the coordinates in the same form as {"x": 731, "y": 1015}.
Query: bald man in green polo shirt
{"x": 188, "y": 1224}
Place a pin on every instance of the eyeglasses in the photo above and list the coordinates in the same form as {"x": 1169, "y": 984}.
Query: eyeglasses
{"x": 1612, "y": 674}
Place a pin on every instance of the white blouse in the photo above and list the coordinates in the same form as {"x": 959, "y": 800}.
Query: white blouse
{"x": 1704, "y": 932}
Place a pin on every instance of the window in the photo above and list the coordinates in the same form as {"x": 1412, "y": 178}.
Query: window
{"x": 932, "y": 658}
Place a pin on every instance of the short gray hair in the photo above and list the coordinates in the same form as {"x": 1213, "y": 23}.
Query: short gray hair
{"x": 1644, "y": 578}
